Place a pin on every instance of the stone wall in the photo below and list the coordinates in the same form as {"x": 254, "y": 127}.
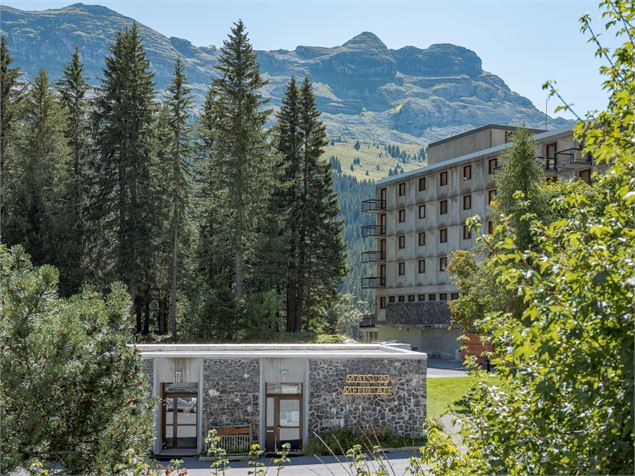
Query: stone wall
{"x": 418, "y": 313}
{"x": 148, "y": 369}
{"x": 230, "y": 394}
{"x": 401, "y": 413}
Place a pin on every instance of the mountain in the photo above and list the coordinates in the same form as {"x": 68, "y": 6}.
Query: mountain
{"x": 365, "y": 90}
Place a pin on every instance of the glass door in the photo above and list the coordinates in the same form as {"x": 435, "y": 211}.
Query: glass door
{"x": 283, "y": 416}
{"x": 179, "y": 416}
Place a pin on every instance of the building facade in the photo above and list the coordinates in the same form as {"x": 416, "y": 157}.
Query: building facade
{"x": 421, "y": 218}
{"x": 281, "y": 393}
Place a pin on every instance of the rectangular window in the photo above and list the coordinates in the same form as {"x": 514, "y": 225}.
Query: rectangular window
{"x": 492, "y": 165}
{"x": 402, "y": 268}
{"x": 443, "y": 207}
{"x": 422, "y": 266}
{"x": 432, "y": 297}
{"x": 467, "y": 202}
{"x": 443, "y": 178}
{"x": 443, "y": 296}
{"x": 411, "y": 297}
{"x": 443, "y": 235}
{"x": 401, "y": 298}
{"x": 402, "y": 242}
{"x": 422, "y": 211}
{"x": 391, "y": 298}
{"x": 421, "y": 297}
{"x": 422, "y": 239}
{"x": 402, "y": 215}
{"x": 382, "y": 302}
{"x": 491, "y": 196}
{"x": 467, "y": 172}
{"x": 467, "y": 233}
{"x": 443, "y": 263}
{"x": 402, "y": 189}
{"x": 585, "y": 175}
{"x": 454, "y": 296}
{"x": 422, "y": 184}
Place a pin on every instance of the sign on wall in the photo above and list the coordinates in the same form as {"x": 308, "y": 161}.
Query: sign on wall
{"x": 368, "y": 384}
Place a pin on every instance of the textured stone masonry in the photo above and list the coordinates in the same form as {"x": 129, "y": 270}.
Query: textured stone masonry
{"x": 401, "y": 413}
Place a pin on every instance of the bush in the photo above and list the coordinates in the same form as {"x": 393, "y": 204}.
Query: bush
{"x": 339, "y": 441}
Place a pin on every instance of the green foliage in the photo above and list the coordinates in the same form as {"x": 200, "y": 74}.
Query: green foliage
{"x": 563, "y": 402}
{"x": 73, "y": 393}
{"x": 342, "y": 440}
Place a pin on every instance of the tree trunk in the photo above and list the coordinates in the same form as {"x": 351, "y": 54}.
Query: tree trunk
{"x": 174, "y": 266}
{"x": 146, "y": 314}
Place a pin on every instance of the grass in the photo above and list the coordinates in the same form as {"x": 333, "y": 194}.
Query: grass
{"x": 446, "y": 393}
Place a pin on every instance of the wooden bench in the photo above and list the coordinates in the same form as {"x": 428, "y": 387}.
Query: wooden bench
{"x": 235, "y": 439}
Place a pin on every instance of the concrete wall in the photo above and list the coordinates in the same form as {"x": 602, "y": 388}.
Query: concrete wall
{"x": 402, "y": 413}
{"x": 435, "y": 342}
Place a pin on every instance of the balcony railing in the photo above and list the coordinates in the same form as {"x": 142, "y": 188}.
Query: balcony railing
{"x": 368, "y": 321}
{"x": 373, "y": 282}
{"x": 373, "y": 256}
{"x": 550, "y": 163}
{"x": 373, "y": 230}
{"x": 373, "y": 205}
{"x": 574, "y": 156}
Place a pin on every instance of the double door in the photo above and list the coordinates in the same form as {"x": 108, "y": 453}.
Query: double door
{"x": 179, "y": 411}
{"x": 284, "y": 422}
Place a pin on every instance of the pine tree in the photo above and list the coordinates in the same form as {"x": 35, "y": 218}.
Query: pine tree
{"x": 35, "y": 191}
{"x": 126, "y": 201}
{"x": 240, "y": 150}
{"x": 73, "y": 89}
{"x": 177, "y": 179}
{"x": 9, "y": 100}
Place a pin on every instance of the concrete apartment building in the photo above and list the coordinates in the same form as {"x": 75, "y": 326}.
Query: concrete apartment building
{"x": 420, "y": 220}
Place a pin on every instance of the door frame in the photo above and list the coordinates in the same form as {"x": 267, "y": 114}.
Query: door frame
{"x": 276, "y": 417}
{"x": 175, "y": 424}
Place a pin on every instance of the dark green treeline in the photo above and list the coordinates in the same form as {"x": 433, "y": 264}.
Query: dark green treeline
{"x": 218, "y": 227}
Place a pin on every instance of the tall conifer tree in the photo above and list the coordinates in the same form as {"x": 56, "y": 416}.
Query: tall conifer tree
{"x": 126, "y": 200}
{"x": 73, "y": 89}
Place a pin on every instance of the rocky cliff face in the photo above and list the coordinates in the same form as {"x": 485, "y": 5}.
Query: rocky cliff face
{"x": 366, "y": 90}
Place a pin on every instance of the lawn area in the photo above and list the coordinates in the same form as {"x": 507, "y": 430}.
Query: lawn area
{"x": 444, "y": 392}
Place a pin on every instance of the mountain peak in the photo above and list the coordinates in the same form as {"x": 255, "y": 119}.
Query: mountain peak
{"x": 366, "y": 39}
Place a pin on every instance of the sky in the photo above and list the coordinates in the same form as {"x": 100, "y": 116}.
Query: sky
{"x": 524, "y": 42}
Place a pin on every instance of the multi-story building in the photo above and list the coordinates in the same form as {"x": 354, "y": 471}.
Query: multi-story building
{"x": 420, "y": 220}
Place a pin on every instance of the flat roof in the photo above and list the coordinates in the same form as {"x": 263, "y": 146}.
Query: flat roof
{"x": 545, "y": 136}
{"x": 504, "y": 127}
{"x": 250, "y": 351}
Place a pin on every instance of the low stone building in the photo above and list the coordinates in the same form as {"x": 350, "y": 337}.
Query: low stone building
{"x": 277, "y": 393}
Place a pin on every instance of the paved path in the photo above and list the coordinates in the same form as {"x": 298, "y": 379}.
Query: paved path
{"x": 302, "y": 465}
{"x": 445, "y": 368}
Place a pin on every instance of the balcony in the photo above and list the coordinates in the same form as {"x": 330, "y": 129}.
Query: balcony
{"x": 373, "y": 282}
{"x": 373, "y": 230}
{"x": 373, "y": 256}
{"x": 373, "y": 205}
{"x": 368, "y": 321}
{"x": 574, "y": 157}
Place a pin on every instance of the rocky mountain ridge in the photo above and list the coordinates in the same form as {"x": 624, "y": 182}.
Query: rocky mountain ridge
{"x": 365, "y": 90}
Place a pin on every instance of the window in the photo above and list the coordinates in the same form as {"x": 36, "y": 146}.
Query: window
{"x": 490, "y": 227}
{"x": 491, "y": 196}
{"x": 402, "y": 215}
{"x": 467, "y": 172}
{"x": 401, "y": 298}
{"x": 422, "y": 239}
{"x": 432, "y": 297}
{"x": 443, "y": 296}
{"x": 443, "y": 235}
{"x": 509, "y": 136}
{"x": 382, "y": 302}
{"x": 467, "y": 202}
{"x": 402, "y": 189}
{"x": 391, "y": 298}
{"x": 411, "y": 297}
{"x": 443, "y": 178}
{"x": 422, "y": 211}
{"x": 467, "y": 233}
{"x": 402, "y": 268}
{"x": 454, "y": 296}
{"x": 422, "y": 266}
{"x": 443, "y": 263}
{"x": 422, "y": 184}
{"x": 585, "y": 175}
{"x": 402, "y": 242}
{"x": 421, "y": 297}
{"x": 492, "y": 165}
{"x": 443, "y": 207}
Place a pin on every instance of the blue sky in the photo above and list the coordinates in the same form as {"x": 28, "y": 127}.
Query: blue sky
{"x": 524, "y": 42}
